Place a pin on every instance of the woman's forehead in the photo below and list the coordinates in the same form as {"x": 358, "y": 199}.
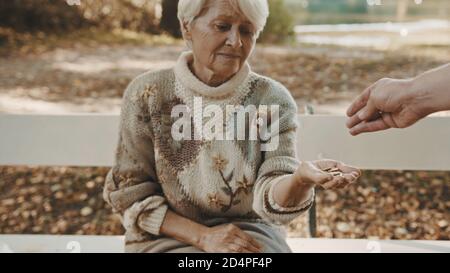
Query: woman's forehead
{"x": 223, "y": 9}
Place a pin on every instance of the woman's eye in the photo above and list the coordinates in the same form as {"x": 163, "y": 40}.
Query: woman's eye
{"x": 222, "y": 27}
{"x": 246, "y": 31}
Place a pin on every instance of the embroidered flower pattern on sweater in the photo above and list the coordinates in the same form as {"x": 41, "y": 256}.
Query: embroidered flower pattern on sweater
{"x": 243, "y": 185}
{"x": 214, "y": 200}
{"x": 124, "y": 180}
{"x": 219, "y": 163}
{"x": 148, "y": 92}
{"x": 143, "y": 99}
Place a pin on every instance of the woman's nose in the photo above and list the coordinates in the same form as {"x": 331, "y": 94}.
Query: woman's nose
{"x": 234, "y": 38}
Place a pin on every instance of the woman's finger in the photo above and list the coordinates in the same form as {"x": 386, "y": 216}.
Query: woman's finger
{"x": 247, "y": 245}
{"x": 345, "y": 183}
{"x": 334, "y": 165}
{"x": 330, "y": 184}
{"x": 340, "y": 181}
{"x": 236, "y": 248}
{"x": 349, "y": 184}
{"x": 333, "y": 182}
{"x": 244, "y": 236}
{"x": 337, "y": 182}
{"x": 349, "y": 179}
{"x": 347, "y": 169}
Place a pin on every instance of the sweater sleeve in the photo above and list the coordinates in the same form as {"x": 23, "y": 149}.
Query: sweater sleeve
{"x": 131, "y": 185}
{"x": 279, "y": 163}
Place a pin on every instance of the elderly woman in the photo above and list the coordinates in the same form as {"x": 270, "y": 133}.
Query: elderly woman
{"x": 197, "y": 195}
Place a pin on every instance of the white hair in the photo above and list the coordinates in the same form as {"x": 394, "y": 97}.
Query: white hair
{"x": 256, "y": 11}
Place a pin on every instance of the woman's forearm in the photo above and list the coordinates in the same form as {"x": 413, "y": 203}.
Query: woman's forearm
{"x": 289, "y": 192}
{"x": 432, "y": 89}
{"x": 182, "y": 229}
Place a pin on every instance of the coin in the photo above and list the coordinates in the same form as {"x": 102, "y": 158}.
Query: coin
{"x": 334, "y": 171}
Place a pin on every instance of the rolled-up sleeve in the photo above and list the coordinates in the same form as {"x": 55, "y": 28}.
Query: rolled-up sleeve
{"x": 131, "y": 185}
{"x": 279, "y": 163}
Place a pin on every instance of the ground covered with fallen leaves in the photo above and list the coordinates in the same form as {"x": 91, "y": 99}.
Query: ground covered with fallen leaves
{"x": 384, "y": 204}
{"x": 91, "y": 78}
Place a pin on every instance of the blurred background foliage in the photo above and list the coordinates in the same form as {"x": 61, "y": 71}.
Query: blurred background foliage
{"x": 149, "y": 16}
{"x": 59, "y": 15}
{"x": 22, "y": 20}
{"x": 25, "y": 20}
{"x": 365, "y": 11}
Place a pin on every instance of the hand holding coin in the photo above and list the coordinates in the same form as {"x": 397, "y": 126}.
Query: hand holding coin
{"x": 327, "y": 174}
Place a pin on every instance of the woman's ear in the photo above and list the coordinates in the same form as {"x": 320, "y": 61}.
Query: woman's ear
{"x": 186, "y": 32}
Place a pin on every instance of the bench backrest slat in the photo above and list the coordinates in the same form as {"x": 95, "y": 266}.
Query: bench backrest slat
{"x": 423, "y": 146}
{"x": 58, "y": 140}
{"x": 91, "y": 139}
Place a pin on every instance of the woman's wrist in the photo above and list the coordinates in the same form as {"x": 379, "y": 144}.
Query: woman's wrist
{"x": 197, "y": 236}
{"x": 183, "y": 229}
{"x": 291, "y": 191}
{"x": 304, "y": 191}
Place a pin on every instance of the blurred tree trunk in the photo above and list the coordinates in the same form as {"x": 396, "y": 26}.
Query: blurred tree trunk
{"x": 169, "y": 20}
{"x": 402, "y": 9}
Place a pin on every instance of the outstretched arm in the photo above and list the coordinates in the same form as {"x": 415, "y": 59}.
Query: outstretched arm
{"x": 399, "y": 103}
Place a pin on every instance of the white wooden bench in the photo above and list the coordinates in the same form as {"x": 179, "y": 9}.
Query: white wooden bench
{"x": 90, "y": 140}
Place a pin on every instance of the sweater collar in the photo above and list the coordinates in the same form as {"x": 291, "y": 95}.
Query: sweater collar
{"x": 190, "y": 81}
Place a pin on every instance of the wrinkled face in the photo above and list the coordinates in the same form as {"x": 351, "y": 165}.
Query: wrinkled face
{"x": 222, "y": 38}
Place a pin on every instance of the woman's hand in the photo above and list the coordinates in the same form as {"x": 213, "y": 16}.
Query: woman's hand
{"x": 228, "y": 238}
{"x": 327, "y": 174}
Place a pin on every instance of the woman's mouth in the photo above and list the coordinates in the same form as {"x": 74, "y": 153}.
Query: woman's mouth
{"x": 229, "y": 55}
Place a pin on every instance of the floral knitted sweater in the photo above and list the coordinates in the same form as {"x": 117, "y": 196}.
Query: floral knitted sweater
{"x": 199, "y": 179}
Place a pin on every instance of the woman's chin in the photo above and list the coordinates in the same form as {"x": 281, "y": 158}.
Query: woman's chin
{"x": 227, "y": 70}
